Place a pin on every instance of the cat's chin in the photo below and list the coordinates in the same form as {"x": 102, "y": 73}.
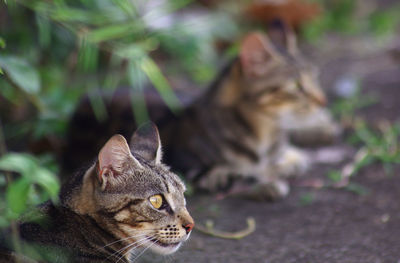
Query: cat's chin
{"x": 164, "y": 248}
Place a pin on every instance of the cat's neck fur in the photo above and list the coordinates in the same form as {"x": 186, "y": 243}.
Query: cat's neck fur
{"x": 71, "y": 232}
{"x": 77, "y": 196}
{"x": 74, "y": 224}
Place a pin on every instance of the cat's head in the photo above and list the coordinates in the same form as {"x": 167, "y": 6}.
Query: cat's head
{"x": 272, "y": 77}
{"x": 132, "y": 195}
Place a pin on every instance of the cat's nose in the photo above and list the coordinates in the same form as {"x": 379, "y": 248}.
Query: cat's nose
{"x": 188, "y": 227}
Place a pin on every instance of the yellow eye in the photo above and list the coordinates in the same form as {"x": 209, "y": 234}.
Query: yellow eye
{"x": 156, "y": 201}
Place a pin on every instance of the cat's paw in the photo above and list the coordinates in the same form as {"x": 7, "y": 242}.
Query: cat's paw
{"x": 292, "y": 162}
{"x": 217, "y": 179}
{"x": 271, "y": 191}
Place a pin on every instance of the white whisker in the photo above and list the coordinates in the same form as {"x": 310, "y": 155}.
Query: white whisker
{"x": 140, "y": 241}
{"x": 122, "y": 239}
{"x": 141, "y": 253}
{"x": 136, "y": 246}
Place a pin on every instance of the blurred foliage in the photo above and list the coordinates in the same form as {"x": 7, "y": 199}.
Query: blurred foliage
{"x": 353, "y": 17}
{"x": 54, "y": 52}
{"x": 28, "y": 183}
{"x": 81, "y": 47}
{"x": 345, "y": 109}
{"x": 382, "y": 145}
{"x": 306, "y": 199}
{"x": 377, "y": 144}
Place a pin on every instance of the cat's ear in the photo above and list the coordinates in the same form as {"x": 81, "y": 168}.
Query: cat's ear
{"x": 113, "y": 157}
{"x": 283, "y": 35}
{"x": 146, "y": 143}
{"x": 255, "y": 53}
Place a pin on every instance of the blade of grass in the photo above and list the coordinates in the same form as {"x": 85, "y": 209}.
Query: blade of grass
{"x": 154, "y": 74}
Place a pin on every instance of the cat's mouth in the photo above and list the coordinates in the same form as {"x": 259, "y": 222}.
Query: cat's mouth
{"x": 164, "y": 248}
{"x": 166, "y": 245}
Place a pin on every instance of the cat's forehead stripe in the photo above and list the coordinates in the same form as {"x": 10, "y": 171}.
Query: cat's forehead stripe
{"x": 177, "y": 183}
{"x": 164, "y": 180}
{"x": 171, "y": 181}
{"x": 166, "y": 186}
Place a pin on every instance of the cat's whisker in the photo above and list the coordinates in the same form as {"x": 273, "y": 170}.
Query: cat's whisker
{"x": 170, "y": 258}
{"x": 123, "y": 196}
{"x": 143, "y": 241}
{"x": 133, "y": 236}
{"x": 122, "y": 239}
{"x": 141, "y": 253}
{"x": 134, "y": 244}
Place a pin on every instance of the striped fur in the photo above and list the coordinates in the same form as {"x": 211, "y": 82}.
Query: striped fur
{"x": 105, "y": 212}
{"x": 238, "y": 130}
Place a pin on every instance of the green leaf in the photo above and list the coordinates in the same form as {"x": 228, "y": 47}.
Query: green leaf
{"x": 67, "y": 14}
{"x": 334, "y": 175}
{"x": 3, "y": 222}
{"x": 155, "y": 75}
{"x": 21, "y": 73}
{"x": 98, "y": 106}
{"x": 48, "y": 181}
{"x": 133, "y": 51}
{"x": 2, "y": 43}
{"x": 383, "y": 22}
{"x": 137, "y": 79}
{"x": 88, "y": 56}
{"x": 306, "y": 199}
{"x": 126, "y": 5}
{"x": 20, "y": 163}
{"x": 17, "y": 195}
{"x": 44, "y": 27}
{"x": 113, "y": 32}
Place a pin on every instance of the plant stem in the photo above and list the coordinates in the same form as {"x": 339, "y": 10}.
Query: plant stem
{"x": 209, "y": 230}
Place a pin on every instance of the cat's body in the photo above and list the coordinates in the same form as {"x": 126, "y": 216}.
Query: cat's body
{"x": 126, "y": 201}
{"x": 239, "y": 127}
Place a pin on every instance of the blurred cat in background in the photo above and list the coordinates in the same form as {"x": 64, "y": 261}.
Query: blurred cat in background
{"x": 238, "y": 130}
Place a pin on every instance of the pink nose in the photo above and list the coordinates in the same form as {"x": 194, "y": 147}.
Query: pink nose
{"x": 188, "y": 227}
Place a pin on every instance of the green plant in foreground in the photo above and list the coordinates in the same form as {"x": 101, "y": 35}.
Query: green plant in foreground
{"x": 72, "y": 48}
{"x": 27, "y": 184}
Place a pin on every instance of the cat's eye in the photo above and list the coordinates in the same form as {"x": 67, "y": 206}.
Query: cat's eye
{"x": 156, "y": 201}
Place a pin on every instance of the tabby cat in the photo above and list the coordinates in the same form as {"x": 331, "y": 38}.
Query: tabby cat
{"x": 126, "y": 202}
{"x": 239, "y": 128}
